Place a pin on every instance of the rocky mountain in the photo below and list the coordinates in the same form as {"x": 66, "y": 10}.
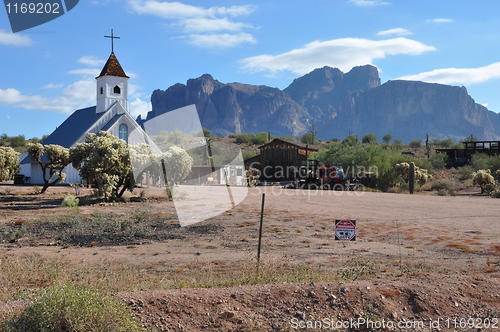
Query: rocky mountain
{"x": 234, "y": 107}
{"x": 337, "y": 103}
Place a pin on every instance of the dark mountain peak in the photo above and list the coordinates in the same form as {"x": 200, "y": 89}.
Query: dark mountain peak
{"x": 362, "y": 78}
{"x": 206, "y": 77}
{"x": 324, "y": 79}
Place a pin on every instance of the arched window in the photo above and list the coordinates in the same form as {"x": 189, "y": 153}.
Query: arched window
{"x": 123, "y": 132}
{"x": 116, "y": 89}
{"x": 102, "y": 90}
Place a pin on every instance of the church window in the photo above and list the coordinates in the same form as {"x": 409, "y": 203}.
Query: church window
{"x": 116, "y": 89}
{"x": 102, "y": 90}
{"x": 123, "y": 132}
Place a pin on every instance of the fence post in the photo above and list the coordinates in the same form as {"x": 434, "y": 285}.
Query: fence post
{"x": 260, "y": 231}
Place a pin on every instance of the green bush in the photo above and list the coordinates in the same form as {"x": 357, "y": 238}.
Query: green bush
{"x": 445, "y": 184}
{"x": 70, "y": 308}
{"x": 438, "y": 161}
{"x": 415, "y": 144}
{"x": 70, "y": 201}
{"x": 465, "y": 172}
{"x": 370, "y": 158}
{"x": 370, "y": 138}
{"x": 446, "y": 192}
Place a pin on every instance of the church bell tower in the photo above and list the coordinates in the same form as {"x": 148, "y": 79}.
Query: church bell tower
{"x": 112, "y": 83}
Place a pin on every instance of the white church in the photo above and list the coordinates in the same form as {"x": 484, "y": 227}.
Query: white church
{"x": 110, "y": 114}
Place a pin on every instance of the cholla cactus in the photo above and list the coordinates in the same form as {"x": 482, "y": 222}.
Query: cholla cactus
{"x": 178, "y": 164}
{"x": 485, "y": 180}
{"x": 9, "y": 163}
{"x": 252, "y": 175}
{"x": 106, "y": 158}
{"x": 421, "y": 174}
{"x": 56, "y": 159}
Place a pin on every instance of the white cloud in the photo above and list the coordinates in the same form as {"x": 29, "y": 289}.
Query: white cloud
{"x": 396, "y": 31}
{"x": 140, "y": 107}
{"x": 85, "y": 71}
{"x": 198, "y": 23}
{"x": 177, "y": 10}
{"x": 341, "y": 53}
{"x": 13, "y": 39}
{"x": 53, "y": 86}
{"x": 462, "y": 76}
{"x": 220, "y": 40}
{"x": 207, "y": 25}
{"x": 369, "y": 3}
{"x": 8, "y": 117}
{"x": 91, "y": 61}
{"x": 440, "y": 20}
{"x": 74, "y": 96}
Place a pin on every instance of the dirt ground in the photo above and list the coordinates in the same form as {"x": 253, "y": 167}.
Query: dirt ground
{"x": 436, "y": 259}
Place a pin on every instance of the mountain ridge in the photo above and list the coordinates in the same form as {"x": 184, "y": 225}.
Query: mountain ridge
{"x": 337, "y": 103}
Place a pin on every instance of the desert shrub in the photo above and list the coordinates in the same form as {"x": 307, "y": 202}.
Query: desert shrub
{"x": 242, "y": 138}
{"x": 351, "y": 140}
{"x": 465, "y": 172}
{"x": 484, "y": 161}
{"x": 444, "y": 143}
{"x": 485, "y": 180}
{"x": 73, "y": 309}
{"x": 495, "y": 194}
{"x": 70, "y": 201}
{"x": 248, "y": 155}
{"x": 259, "y": 138}
{"x": 370, "y": 138}
{"x": 446, "y": 192}
{"x": 445, "y": 184}
{"x": 369, "y": 158}
{"x": 415, "y": 144}
{"x": 438, "y": 161}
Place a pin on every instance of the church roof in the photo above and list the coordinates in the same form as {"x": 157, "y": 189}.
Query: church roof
{"x": 112, "y": 67}
{"x": 71, "y": 129}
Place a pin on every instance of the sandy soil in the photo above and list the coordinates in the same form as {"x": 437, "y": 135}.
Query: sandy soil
{"x": 456, "y": 239}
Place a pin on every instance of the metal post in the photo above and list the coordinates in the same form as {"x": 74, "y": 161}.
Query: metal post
{"x": 260, "y": 231}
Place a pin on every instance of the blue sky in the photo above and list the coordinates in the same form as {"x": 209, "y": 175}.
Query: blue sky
{"x": 49, "y": 71}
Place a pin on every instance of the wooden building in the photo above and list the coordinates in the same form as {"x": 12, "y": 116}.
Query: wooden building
{"x": 281, "y": 160}
{"x": 460, "y": 157}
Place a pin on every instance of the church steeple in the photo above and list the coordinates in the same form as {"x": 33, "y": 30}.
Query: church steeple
{"x": 112, "y": 68}
{"x": 112, "y": 84}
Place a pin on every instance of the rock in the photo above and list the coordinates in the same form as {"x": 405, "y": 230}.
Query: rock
{"x": 311, "y": 294}
{"x": 227, "y": 315}
{"x": 343, "y": 290}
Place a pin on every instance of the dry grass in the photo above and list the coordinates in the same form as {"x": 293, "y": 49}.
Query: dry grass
{"x": 38, "y": 273}
{"x": 460, "y": 246}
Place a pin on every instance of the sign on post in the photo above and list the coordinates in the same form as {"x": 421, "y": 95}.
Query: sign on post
{"x": 345, "y": 230}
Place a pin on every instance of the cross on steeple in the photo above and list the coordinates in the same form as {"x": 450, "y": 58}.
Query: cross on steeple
{"x": 112, "y": 37}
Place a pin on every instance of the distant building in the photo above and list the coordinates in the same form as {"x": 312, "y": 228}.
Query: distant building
{"x": 281, "y": 160}
{"x": 460, "y": 157}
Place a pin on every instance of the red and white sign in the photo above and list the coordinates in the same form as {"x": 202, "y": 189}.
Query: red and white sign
{"x": 345, "y": 230}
